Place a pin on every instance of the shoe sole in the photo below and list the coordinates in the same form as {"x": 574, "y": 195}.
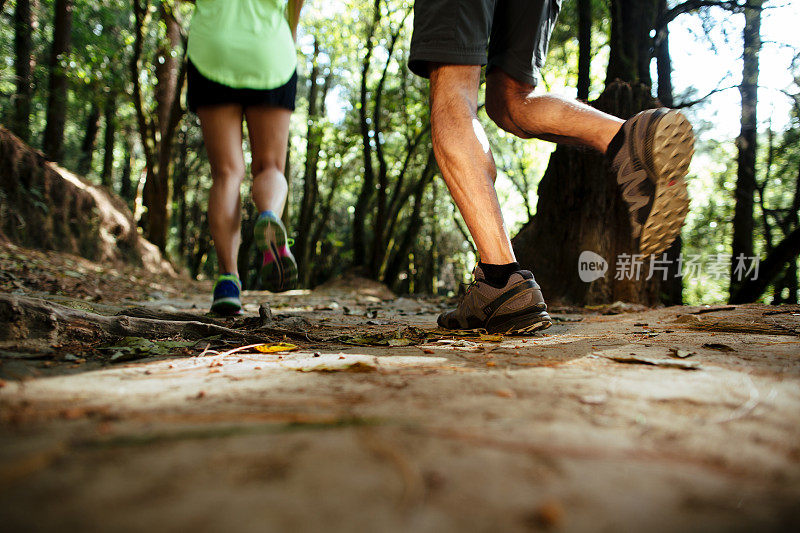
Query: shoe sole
{"x": 280, "y": 274}
{"x": 227, "y": 307}
{"x": 667, "y": 162}
{"x": 520, "y": 324}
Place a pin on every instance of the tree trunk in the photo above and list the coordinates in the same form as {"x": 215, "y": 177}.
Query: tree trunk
{"x": 580, "y": 207}
{"x": 748, "y": 290}
{"x": 368, "y": 185}
{"x": 584, "y": 48}
{"x": 321, "y": 220}
{"x": 23, "y": 68}
{"x": 109, "y": 113}
{"x": 663, "y": 60}
{"x": 672, "y": 287}
{"x": 126, "y": 189}
{"x": 201, "y": 241}
{"x": 631, "y": 23}
{"x": 414, "y": 224}
{"x": 180, "y": 189}
{"x": 89, "y": 140}
{"x": 158, "y": 137}
{"x": 308, "y": 202}
{"x": 789, "y": 281}
{"x": 743, "y": 223}
{"x": 53, "y": 145}
{"x": 379, "y": 238}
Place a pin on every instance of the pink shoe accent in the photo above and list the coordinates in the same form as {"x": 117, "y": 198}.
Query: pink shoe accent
{"x": 284, "y": 251}
{"x": 268, "y": 257}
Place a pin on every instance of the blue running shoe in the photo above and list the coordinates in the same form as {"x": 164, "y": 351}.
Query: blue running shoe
{"x": 278, "y": 271}
{"x": 226, "y": 296}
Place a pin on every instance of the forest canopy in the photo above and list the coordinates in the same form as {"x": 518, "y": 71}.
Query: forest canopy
{"x": 99, "y": 88}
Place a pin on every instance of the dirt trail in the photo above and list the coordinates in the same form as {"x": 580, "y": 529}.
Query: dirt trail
{"x": 674, "y": 419}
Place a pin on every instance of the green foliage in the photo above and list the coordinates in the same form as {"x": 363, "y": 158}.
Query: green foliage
{"x": 437, "y": 255}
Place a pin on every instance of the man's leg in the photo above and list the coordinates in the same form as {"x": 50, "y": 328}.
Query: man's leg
{"x": 513, "y": 106}
{"x": 503, "y": 298}
{"x": 650, "y": 153}
{"x": 465, "y": 159}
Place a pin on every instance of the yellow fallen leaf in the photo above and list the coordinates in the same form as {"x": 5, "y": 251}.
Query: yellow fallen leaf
{"x": 491, "y": 338}
{"x": 276, "y": 347}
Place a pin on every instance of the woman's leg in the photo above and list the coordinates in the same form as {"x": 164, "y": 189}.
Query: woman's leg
{"x": 222, "y": 134}
{"x": 269, "y": 136}
{"x": 268, "y": 128}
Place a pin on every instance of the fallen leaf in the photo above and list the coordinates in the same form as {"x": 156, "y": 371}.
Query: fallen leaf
{"x": 688, "y": 319}
{"x": 550, "y": 514}
{"x": 400, "y": 342}
{"x": 337, "y": 366}
{"x": 681, "y": 354}
{"x": 491, "y": 338}
{"x": 718, "y": 346}
{"x": 132, "y": 348}
{"x": 665, "y": 363}
{"x": 593, "y": 399}
{"x": 276, "y": 347}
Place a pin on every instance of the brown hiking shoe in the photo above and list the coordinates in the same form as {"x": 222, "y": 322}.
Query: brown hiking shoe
{"x": 650, "y": 167}
{"x": 516, "y": 308}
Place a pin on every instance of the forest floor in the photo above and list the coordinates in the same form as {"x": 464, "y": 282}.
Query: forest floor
{"x": 124, "y": 408}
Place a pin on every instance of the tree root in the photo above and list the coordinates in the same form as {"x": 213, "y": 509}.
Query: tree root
{"x": 36, "y": 321}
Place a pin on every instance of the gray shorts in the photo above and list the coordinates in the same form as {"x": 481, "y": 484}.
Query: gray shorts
{"x": 511, "y": 35}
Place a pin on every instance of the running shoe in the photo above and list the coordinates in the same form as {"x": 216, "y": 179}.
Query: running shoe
{"x": 227, "y": 301}
{"x": 517, "y": 308}
{"x": 651, "y": 167}
{"x": 278, "y": 271}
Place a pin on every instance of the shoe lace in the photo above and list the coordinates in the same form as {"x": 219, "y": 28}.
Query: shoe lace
{"x": 468, "y": 287}
{"x": 289, "y": 242}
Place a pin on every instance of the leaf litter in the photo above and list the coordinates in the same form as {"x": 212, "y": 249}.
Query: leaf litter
{"x": 133, "y": 348}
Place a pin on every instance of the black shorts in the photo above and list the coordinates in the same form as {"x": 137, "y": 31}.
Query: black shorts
{"x": 202, "y": 91}
{"x": 512, "y": 35}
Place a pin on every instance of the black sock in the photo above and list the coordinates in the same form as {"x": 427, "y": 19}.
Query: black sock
{"x": 615, "y": 145}
{"x": 497, "y": 275}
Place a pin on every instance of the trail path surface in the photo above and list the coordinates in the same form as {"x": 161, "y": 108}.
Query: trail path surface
{"x": 681, "y": 418}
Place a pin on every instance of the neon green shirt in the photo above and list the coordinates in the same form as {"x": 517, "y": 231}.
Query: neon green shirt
{"x": 242, "y": 43}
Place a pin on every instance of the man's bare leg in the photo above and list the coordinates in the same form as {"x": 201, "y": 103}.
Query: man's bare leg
{"x": 513, "y": 106}
{"x": 465, "y": 159}
{"x": 504, "y": 298}
{"x": 650, "y": 153}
